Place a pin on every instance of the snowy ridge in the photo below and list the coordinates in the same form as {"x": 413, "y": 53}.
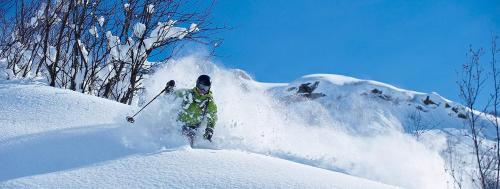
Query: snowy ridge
{"x": 343, "y": 85}
{"x": 370, "y": 84}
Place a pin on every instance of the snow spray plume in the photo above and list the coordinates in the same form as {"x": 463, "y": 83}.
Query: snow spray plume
{"x": 342, "y": 135}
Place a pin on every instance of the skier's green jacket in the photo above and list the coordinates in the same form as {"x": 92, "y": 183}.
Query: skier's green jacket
{"x": 193, "y": 107}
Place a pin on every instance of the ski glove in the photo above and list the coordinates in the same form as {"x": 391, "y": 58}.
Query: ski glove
{"x": 208, "y": 134}
{"x": 170, "y": 86}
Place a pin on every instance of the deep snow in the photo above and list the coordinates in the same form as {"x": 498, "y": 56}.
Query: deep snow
{"x": 193, "y": 169}
{"x": 268, "y": 136}
{"x": 55, "y": 138}
{"x": 344, "y": 131}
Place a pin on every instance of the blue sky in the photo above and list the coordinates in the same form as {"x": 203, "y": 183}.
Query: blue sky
{"x": 417, "y": 45}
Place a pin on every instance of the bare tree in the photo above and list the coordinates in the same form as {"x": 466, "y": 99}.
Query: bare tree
{"x": 471, "y": 84}
{"x": 100, "y": 47}
{"x": 454, "y": 161}
{"x": 495, "y": 103}
{"x": 417, "y": 124}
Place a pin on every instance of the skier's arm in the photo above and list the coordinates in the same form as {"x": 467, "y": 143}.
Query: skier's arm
{"x": 212, "y": 118}
{"x": 212, "y": 114}
{"x": 179, "y": 93}
{"x": 182, "y": 93}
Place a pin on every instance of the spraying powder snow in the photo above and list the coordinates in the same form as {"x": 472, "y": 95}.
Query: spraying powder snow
{"x": 346, "y": 134}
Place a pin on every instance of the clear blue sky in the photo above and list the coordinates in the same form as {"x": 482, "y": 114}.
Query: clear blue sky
{"x": 416, "y": 45}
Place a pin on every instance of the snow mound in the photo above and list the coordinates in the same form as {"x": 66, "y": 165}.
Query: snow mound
{"x": 33, "y": 108}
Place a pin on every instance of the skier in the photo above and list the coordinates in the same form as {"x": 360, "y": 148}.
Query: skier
{"x": 198, "y": 108}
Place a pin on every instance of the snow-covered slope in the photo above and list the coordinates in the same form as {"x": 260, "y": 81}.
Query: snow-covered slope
{"x": 55, "y": 138}
{"x": 348, "y": 130}
{"x": 352, "y": 134}
{"x": 193, "y": 169}
{"x": 31, "y": 108}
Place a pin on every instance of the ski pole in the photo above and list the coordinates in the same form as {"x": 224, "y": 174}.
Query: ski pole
{"x": 170, "y": 85}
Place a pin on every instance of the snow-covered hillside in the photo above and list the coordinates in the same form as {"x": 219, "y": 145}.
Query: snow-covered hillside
{"x": 192, "y": 169}
{"x": 55, "y": 138}
{"x": 348, "y": 133}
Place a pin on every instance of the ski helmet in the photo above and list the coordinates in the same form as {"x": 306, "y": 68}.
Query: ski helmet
{"x": 203, "y": 83}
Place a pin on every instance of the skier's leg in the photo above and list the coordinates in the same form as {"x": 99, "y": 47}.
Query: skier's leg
{"x": 191, "y": 140}
{"x": 190, "y": 133}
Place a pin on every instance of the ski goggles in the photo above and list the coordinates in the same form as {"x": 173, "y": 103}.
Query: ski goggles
{"x": 203, "y": 88}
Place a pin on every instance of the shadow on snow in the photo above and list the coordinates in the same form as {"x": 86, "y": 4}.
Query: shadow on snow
{"x": 60, "y": 150}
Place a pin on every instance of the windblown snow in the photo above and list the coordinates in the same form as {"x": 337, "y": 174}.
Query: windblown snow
{"x": 356, "y": 134}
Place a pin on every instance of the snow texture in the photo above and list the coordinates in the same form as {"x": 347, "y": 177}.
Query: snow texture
{"x": 55, "y": 138}
{"x": 267, "y": 135}
{"x": 195, "y": 169}
{"x": 344, "y": 131}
